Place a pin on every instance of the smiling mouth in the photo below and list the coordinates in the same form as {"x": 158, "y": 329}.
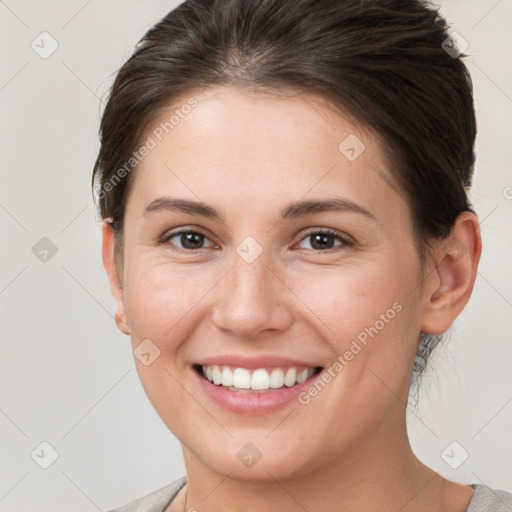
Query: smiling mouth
{"x": 260, "y": 380}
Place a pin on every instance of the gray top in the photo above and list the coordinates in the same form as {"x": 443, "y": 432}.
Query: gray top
{"x": 484, "y": 499}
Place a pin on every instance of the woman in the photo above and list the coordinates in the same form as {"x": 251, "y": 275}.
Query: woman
{"x": 287, "y": 234}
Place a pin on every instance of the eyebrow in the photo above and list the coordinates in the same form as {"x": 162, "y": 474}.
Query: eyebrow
{"x": 335, "y": 204}
{"x": 182, "y": 205}
{"x": 292, "y": 211}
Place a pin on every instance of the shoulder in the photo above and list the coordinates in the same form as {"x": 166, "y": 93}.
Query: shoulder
{"x": 155, "y": 501}
{"x": 486, "y": 499}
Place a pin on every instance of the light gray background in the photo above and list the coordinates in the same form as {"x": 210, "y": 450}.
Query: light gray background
{"x": 67, "y": 374}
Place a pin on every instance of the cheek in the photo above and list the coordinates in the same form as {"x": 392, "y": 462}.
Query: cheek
{"x": 348, "y": 300}
{"x": 159, "y": 297}
{"x": 370, "y": 322}
{"x": 369, "y": 317}
{"x": 162, "y": 304}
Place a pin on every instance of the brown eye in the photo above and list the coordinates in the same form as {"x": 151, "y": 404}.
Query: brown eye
{"x": 187, "y": 240}
{"x": 324, "y": 240}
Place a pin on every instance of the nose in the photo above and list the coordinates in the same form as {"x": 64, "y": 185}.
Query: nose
{"x": 252, "y": 300}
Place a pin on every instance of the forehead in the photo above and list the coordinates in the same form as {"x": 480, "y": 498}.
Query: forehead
{"x": 236, "y": 146}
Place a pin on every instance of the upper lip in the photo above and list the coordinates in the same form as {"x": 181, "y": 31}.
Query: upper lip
{"x": 262, "y": 361}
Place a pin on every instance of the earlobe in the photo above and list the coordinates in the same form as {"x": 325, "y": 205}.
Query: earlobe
{"x": 121, "y": 322}
{"x": 113, "y": 276}
{"x": 452, "y": 279}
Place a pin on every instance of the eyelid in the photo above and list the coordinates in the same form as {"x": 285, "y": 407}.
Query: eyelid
{"x": 171, "y": 234}
{"x": 346, "y": 240}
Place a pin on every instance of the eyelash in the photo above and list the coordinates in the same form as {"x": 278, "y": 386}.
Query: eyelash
{"x": 345, "y": 242}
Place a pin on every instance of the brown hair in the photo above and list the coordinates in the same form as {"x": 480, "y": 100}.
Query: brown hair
{"x": 384, "y": 62}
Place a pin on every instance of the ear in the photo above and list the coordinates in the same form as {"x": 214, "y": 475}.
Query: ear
{"x": 451, "y": 281}
{"x": 113, "y": 276}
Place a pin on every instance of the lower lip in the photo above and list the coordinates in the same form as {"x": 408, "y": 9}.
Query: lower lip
{"x": 253, "y": 403}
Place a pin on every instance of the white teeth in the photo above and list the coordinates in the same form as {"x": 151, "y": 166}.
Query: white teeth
{"x": 259, "y": 380}
{"x": 241, "y": 378}
{"x": 227, "y": 376}
{"x": 276, "y": 378}
{"x": 216, "y": 374}
{"x": 301, "y": 376}
{"x": 291, "y": 377}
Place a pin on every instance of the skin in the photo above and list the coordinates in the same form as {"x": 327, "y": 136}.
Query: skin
{"x": 249, "y": 156}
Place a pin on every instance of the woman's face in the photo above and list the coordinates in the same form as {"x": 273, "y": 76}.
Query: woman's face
{"x": 299, "y": 256}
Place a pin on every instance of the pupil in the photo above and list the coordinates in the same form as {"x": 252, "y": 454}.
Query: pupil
{"x": 192, "y": 240}
{"x": 195, "y": 240}
{"x": 322, "y": 241}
